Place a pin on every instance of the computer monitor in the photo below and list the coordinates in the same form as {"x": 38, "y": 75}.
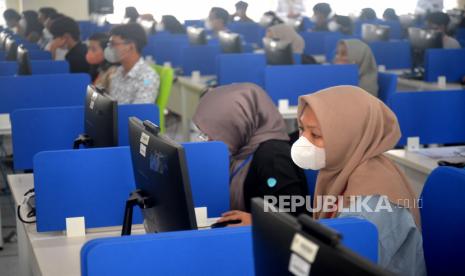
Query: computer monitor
{"x": 278, "y": 52}
{"x": 3, "y": 36}
{"x": 11, "y": 49}
{"x": 196, "y": 36}
{"x": 230, "y": 42}
{"x": 162, "y": 181}
{"x": 421, "y": 40}
{"x": 24, "y": 65}
{"x": 100, "y": 120}
{"x": 275, "y": 253}
{"x": 371, "y": 32}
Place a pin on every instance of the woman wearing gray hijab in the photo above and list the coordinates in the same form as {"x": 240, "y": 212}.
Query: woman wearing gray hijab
{"x": 354, "y": 51}
{"x": 244, "y": 118}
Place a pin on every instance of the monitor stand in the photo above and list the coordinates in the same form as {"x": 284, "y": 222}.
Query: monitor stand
{"x": 135, "y": 199}
{"x": 84, "y": 140}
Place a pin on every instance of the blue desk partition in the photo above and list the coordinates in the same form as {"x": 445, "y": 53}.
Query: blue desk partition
{"x": 227, "y": 251}
{"x": 315, "y": 42}
{"x": 10, "y": 68}
{"x": 194, "y": 23}
{"x": 199, "y": 58}
{"x": 233, "y": 68}
{"x": 392, "y": 54}
{"x": 42, "y": 129}
{"x": 445, "y": 62}
{"x": 39, "y": 55}
{"x": 290, "y": 82}
{"x": 437, "y": 117}
{"x": 251, "y": 32}
{"x": 42, "y": 91}
{"x": 166, "y": 48}
{"x": 387, "y": 84}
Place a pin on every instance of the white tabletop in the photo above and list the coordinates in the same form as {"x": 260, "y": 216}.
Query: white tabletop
{"x": 197, "y": 84}
{"x": 5, "y": 124}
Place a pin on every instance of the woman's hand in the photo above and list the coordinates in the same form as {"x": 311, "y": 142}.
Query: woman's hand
{"x": 245, "y": 218}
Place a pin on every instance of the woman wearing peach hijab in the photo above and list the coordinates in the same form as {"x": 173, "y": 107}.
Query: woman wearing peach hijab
{"x": 344, "y": 133}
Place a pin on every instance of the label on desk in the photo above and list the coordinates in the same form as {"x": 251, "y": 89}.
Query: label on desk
{"x": 304, "y": 247}
{"x": 298, "y": 266}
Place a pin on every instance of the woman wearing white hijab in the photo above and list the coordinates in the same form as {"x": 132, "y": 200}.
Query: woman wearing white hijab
{"x": 354, "y": 51}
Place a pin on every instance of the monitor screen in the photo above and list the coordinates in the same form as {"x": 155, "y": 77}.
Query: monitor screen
{"x": 11, "y": 49}
{"x": 100, "y": 118}
{"x": 371, "y": 32}
{"x": 196, "y": 36}
{"x": 24, "y": 65}
{"x": 230, "y": 42}
{"x": 274, "y": 235}
{"x": 161, "y": 175}
{"x": 424, "y": 39}
{"x": 278, "y": 52}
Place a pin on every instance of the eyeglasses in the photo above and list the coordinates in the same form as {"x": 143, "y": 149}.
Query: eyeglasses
{"x": 113, "y": 44}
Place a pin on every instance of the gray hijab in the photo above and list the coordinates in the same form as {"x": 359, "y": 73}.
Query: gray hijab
{"x": 359, "y": 53}
{"x": 288, "y": 34}
{"x": 242, "y": 116}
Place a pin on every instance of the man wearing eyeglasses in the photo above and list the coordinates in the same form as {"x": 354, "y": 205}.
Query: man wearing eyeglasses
{"x": 133, "y": 81}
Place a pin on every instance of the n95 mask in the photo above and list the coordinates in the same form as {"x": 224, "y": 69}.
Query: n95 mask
{"x": 308, "y": 156}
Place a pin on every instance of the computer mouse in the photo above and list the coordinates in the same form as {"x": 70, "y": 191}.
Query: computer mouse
{"x": 224, "y": 223}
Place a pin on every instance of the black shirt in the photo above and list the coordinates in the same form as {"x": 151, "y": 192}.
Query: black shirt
{"x": 272, "y": 162}
{"x": 76, "y": 58}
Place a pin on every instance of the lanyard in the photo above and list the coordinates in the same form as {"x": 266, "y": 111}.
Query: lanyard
{"x": 240, "y": 167}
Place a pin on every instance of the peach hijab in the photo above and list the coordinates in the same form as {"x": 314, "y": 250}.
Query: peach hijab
{"x": 357, "y": 129}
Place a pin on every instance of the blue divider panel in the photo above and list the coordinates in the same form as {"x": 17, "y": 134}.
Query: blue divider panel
{"x": 199, "y": 58}
{"x": 250, "y": 31}
{"x": 10, "y": 68}
{"x": 39, "y": 55}
{"x": 387, "y": 84}
{"x": 315, "y": 42}
{"x": 445, "y": 62}
{"x": 232, "y": 68}
{"x": 141, "y": 111}
{"x": 393, "y": 54}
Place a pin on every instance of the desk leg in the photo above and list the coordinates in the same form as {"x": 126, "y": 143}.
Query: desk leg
{"x": 24, "y": 250}
{"x": 185, "y": 127}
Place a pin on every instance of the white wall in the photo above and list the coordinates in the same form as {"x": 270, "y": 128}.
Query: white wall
{"x": 77, "y": 9}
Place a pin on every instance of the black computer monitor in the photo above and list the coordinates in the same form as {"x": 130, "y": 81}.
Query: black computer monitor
{"x": 420, "y": 41}
{"x": 24, "y": 65}
{"x": 11, "y": 49}
{"x": 371, "y": 32}
{"x": 162, "y": 181}
{"x": 100, "y": 120}
{"x": 196, "y": 36}
{"x": 230, "y": 42}
{"x": 3, "y": 36}
{"x": 273, "y": 236}
{"x": 278, "y": 52}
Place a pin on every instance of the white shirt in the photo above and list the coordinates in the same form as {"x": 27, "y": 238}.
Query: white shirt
{"x": 139, "y": 85}
{"x": 450, "y": 43}
{"x": 286, "y": 7}
{"x": 429, "y": 5}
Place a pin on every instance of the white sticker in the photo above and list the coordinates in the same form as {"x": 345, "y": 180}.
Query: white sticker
{"x": 142, "y": 149}
{"x": 144, "y": 138}
{"x": 413, "y": 143}
{"x": 91, "y": 106}
{"x": 75, "y": 227}
{"x": 298, "y": 266}
{"x": 94, "y": 96}
{"x": 304, "y": 247}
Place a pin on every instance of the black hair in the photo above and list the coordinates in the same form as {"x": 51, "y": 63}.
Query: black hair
{"x": 221, "y": 14}
{"x": 368, "y": 14}
{"x": 438, "y": 18}
{"x": 345, "y": 24}
{"x": 47, "y": 11}
{"x": 65, "y": 25}
{"x": 132, "y": 14}
{"x": 131, "y": 32}
{"x": 241, "y": 5}
{"x": 11, "y": 14}
{"x": 54, "y": 16}
{"x": 32, "y": 23}
{"x": 101, "y": 38}
{"x": 390, "y": 14}
{"x": 172, "y": 24}
{"x": 323, "y": 8}
{"x": 275, "y": 18}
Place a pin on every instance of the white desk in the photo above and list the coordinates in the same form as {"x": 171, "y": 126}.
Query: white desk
{"x": 184, "y": 99}
{"x": 5, "y": 125}
{"x": 404, "y": 84}
{"x": 289, "y": 113}
{"x": 418, "y": 166}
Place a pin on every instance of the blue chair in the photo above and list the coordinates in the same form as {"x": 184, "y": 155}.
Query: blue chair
{"x": 392, "y": 54}
{"x": 42, "y": 91}
{"x": 443, "y": 221}
{"x": 445, "y": 62}
{"x": 39, "y": 55}
{"x": 387, "y": 84}
{"x": 199, "y": 58}
{"x": 232, "y": 68}
{"x": 437, "y": 117}
{"x": 290, "y": 82}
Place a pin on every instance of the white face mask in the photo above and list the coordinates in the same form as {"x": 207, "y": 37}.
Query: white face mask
{"x": 47, "y": 34}
{"x": 208, "y": 25}
{"x": 308, "y": 156}
{"x": 111, "y": 55}
{"x": 159, "y": 27}
{"x": 333, "y": 26}
{"x": 23, "y": 23}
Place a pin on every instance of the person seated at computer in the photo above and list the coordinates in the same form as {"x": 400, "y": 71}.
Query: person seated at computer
{"x": 243, "y": 116}
{"x": 354, "y": 51}
{"x": 344, "y": 133}
{"x": 285, "y": 32}
{"x": 66, "y": 35}
{"x": 439, "y": 21}
{"x": 45, "y": 14}
{"x": 30, "y": 26}
{"x": 57, "y": 53}
{"x": 241, "y": 13}
{"x": 133, "y": 81}
{"x": 367, "y": 14}
{"x": 291, "y": 9}
{"x": 12, "y": 18}
{"x": 171, "y": 24}
{"x": 321, "y": 12}
{"x": 342, "y": 24}
{"x": 100, "y": 68}
{"x": 131, "y": 15}
{"x": 217, "y": 20}
{"x": 390, "y": 15}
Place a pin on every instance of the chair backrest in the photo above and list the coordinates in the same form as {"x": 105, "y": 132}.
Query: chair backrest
{"x": 445, "y": 62}
{"x": 290, "y": 82}
{"x": 437, "y": 117}
{"x": 387, "y": 84}
{"x": 392, "y": 54}
{"x": 232, "y": 68}
{"x": 199, "y": 58}
{"x": 166, "y": 82}
{"x": 42, "y": 91}
{"x": 443, "y": 221}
